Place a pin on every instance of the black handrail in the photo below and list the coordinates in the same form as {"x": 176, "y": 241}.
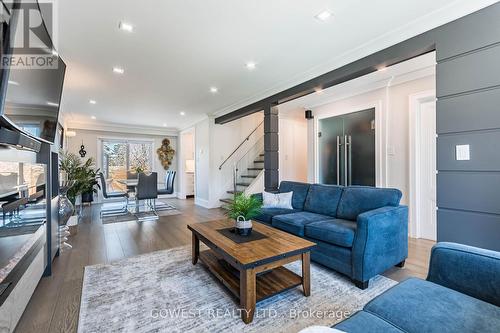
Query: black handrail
{"x": 241, "y": 144}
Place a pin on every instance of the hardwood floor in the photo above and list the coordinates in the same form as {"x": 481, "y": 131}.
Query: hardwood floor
{"x": 55, "y": 304}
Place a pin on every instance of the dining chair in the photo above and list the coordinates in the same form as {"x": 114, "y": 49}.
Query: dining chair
{"x": 131, "y": 175}
{"x": 147, "y": 190}
{"x": 112, "y": 195}
{"x": 168, "y": 188}
{"x": 169, "y": 183}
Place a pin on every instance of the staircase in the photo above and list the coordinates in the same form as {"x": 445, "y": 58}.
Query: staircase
{"x": 244, "y": 165}
{"x": 252, "y": 172}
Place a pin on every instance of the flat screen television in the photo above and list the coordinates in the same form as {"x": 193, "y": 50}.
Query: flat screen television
{"x": 30, "y": 98}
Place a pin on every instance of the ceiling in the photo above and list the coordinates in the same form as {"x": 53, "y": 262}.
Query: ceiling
{"x": 179, "y": 49}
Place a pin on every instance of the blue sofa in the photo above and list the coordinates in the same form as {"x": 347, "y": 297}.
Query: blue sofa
{"x": 461, "y": 294}
{"x": 359, "y": 231}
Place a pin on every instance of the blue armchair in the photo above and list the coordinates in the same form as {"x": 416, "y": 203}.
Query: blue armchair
{"x": 359, "y": 231}
{"x": 461, "y": 294}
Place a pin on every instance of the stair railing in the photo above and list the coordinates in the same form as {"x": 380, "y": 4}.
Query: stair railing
{"x": 240, "y": 145}
{"x": 245, "y": 161}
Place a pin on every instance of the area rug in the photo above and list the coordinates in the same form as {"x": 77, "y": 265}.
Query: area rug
{"x": 164, "y": 292}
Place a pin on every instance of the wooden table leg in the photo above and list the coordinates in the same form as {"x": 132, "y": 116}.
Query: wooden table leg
{"x": 247, "y": 295}
{"x": 306, "y": 273}
{"x": 196, "y": 249}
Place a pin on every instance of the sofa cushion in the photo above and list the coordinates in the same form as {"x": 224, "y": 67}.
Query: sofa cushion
{"x": 362, "y": 322}
{"x": 323, "y": 199}
{"x": 359, "y": 199}
{"x": 299, "y": 192}
{"x": 338, "y": 232}
{"x": 421, "y": 306}
{"x": 295, "y": 223}
{"x": 266, "y": 214}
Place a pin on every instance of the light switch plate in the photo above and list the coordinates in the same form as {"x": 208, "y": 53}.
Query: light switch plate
{"x": 463, "y": 152}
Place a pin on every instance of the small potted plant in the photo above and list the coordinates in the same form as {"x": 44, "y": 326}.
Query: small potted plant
{"x": 243, "y": 209}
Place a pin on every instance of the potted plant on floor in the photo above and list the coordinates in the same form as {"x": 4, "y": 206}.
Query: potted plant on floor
{"x": 243, "y": 209}
{"x": 89, "y": 183}
{"x": 83, "y": 176}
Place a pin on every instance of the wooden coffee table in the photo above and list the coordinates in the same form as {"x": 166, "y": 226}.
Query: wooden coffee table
{"x": 254, "y": 270}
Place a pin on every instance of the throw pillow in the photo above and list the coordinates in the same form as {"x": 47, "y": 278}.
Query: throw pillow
{"x": 277, "y": 200}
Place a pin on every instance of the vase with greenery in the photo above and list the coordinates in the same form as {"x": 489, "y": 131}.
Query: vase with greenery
{"x": 83, "y": 175}
{"x": 243, "y": 209}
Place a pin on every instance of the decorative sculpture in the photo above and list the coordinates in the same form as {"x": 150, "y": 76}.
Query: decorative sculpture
{"x": 165, "y": 154}
{"x": 82, "y": 151}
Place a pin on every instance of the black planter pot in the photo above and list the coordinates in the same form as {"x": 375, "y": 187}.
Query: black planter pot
{"x": 88, "y": 197}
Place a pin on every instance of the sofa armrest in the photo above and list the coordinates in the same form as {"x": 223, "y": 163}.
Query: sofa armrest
{"x": 466, "y": 269}
{"x": 381, "y": 241}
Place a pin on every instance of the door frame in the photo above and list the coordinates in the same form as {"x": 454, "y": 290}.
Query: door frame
{"x": 181, "y": 174}
{"x": 415, "y": 102}
{"x": 380, "y": 139}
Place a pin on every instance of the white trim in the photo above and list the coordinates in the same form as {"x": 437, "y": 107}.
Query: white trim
{"x": 202, "y": 202}
{"x": 380, "y": 139}
{"x": 119, "y": 128}
{"x": 415, "y": 101}
{"x": 181, "y": 174}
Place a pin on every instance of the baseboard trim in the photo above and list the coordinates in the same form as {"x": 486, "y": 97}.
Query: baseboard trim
{"x": 202, "y": 202}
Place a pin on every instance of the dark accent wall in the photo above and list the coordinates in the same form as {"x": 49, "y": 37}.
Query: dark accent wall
{"x": 271, "y": 148}
{"x": 468, "y": 113}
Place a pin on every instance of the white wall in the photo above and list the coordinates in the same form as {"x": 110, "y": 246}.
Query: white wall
{"x": 91, "y": 140}
{"x": 394, "y": 102}
{"x": 202, "y": 160}
{"x": 293, "y": 145}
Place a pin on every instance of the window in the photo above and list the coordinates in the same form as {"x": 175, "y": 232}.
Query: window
{"x": 120, "y": 156}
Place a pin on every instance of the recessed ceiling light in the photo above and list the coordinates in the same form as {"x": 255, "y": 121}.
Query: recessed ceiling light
{"x": 381, "y": 69}
{"x": 93, "y": 117}
{"x": 118, "y": 70}
{"x": 92, "y": 102}
{"x": 164, "y": 125}
{"x": 214, "y": 90}
{"x": 251, "y": 65}
{"x": 324, "y": 16}
{"x": 52, "y": 104}
{"x": 183, "y": 113}
{"x": 318, "y": 90}
{"x": 14, "y": 83}
{"x": 126, "y": 27}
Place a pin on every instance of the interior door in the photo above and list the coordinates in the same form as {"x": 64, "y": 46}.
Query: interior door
{"x": 360, "y": 134}
{"x": 331, "y": 132}
{"x": 427, "y": 174}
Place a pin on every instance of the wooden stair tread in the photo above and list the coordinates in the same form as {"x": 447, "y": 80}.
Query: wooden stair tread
{"x": 255, "y": 169}
{"x": 228, "y": 201}
{"x": 232, "y": 192}
{"x": 258, "y": 161}
{"x": 243, "y": 184}
{"x": 248, "y": 176}
{"x": 267, "y": 284}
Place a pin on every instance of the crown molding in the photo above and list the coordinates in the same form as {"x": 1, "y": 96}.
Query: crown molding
{"x": 434, "y": 19}
{"x": 116, "y": 128}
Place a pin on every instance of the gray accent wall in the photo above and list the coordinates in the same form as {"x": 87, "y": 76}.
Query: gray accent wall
{"x": 468, "y": 113}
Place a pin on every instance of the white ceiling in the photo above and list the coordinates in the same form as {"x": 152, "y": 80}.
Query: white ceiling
{"x": 180, "y": 48}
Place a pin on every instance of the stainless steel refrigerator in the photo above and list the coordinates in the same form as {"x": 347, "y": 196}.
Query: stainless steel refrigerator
{"x": 347, "y": 149}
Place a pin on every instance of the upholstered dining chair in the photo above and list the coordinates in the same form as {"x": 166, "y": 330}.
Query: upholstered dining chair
{"x": 168, "y": 188}
{"x": 112, "y": 195}
{"x": 147, "y": 190}
{"x": 131, "y": 175}
{"x": 169, "y": 183}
